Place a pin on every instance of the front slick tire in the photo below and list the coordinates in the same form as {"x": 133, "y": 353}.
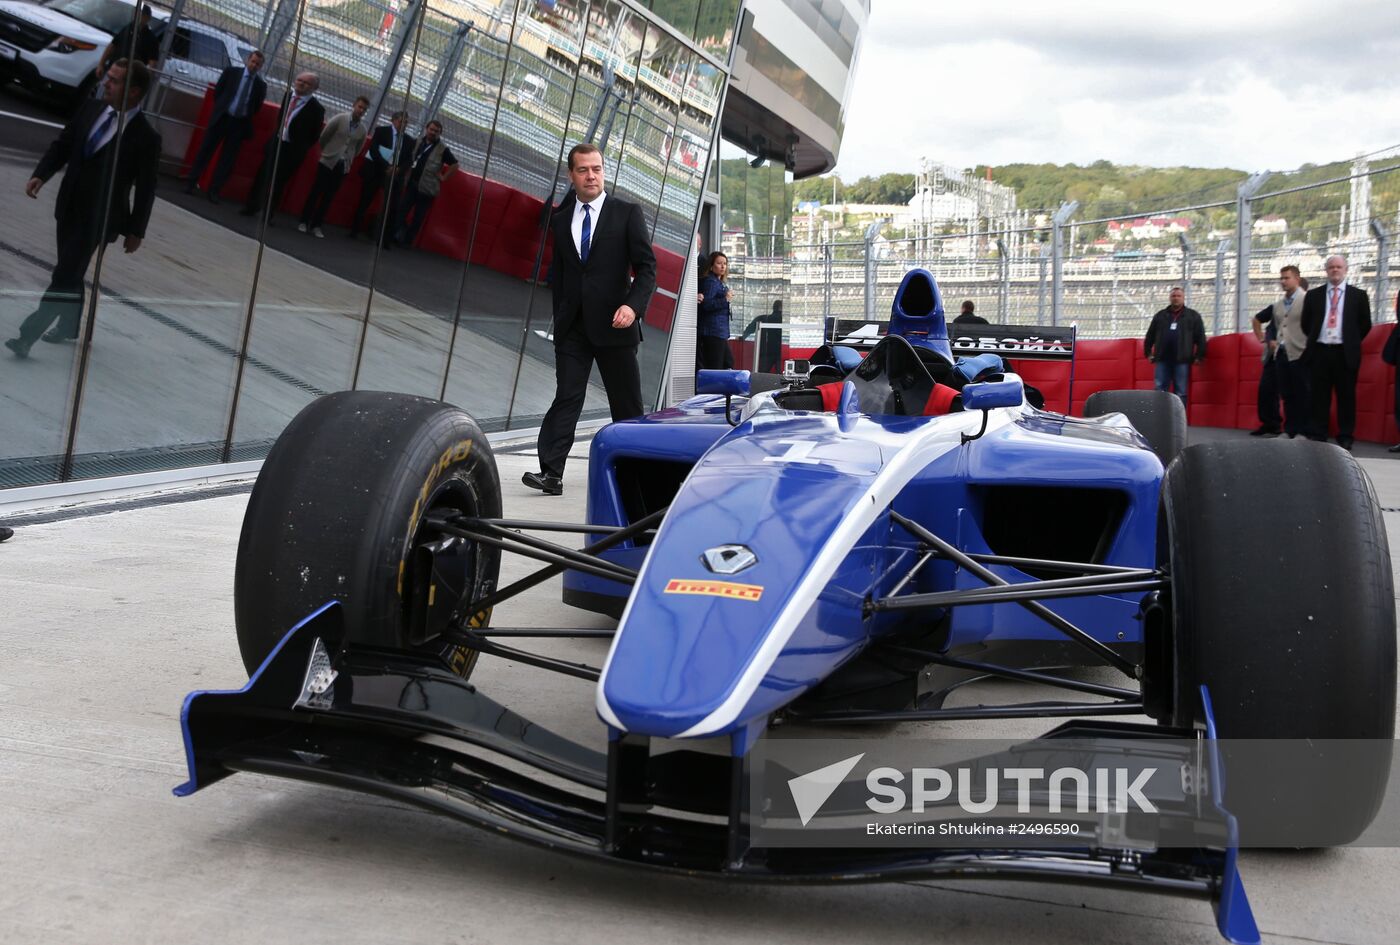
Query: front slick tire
{"x": 341, "y": 512}
{"x": 1283, "y": 607}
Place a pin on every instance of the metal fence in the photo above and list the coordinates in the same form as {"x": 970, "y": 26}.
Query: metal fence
{"x": 1059, "y": 275}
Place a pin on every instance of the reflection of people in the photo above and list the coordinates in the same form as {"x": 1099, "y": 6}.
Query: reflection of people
{"x": 1175, "y": 340}
{"x": 1391, "y": 355}
{"x": 1283, "y": 358}
{"x": 389, "y": 152}
{"x": 1336, "y": 317}
{"x": 340, "y": 141}
{"x": 432, "y": 164}
{"x": 968, "y": 315}
{"x": 238, "y": 96}
{"x": 86, "y": 150}
{"x": 298, "y": 127}
{"x": 603, "y": 275}
{"x": 147, "y": 48}
{"x": 713, "y": 310}
{"x": 770, "y": 343}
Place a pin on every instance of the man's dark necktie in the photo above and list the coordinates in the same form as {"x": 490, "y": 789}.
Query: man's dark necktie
{"x": 586, "y": 236}
{"x": 99, "y": 132}
{"x": 240, "y": 104}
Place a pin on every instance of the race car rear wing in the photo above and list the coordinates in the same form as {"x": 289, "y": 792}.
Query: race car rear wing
{"x": 1019, "y": 342}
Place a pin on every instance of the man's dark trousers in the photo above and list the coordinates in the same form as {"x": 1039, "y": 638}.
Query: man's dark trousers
{"x": 1269, "y": 415}
{"x": 1328, "y": 370}
{"x": 1292, "y": 384}
{"x": 63, "y": 299}
{"x": 288, "y": 163}
{"x": 323, "y": 191}
{"x": 230, "y": 132}
{"x": 573, "y": 361}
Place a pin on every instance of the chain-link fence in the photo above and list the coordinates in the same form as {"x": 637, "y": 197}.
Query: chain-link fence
{"x": 1111, "y": 287}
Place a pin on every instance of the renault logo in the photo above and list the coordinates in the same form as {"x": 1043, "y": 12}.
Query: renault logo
{"x": 729, "y": 559}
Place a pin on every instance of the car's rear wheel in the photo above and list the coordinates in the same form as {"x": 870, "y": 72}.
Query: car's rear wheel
{"x": 1282, "y": 605}
{"x": 1159, "y": 416}
{"x": 344, "y": 509}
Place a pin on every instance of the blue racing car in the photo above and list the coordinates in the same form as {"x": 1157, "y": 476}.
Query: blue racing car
{"x": 843, "y": 546}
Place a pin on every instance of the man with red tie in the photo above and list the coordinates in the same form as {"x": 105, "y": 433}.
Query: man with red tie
{"x": 1336, "y": 317}
{"x": 298, "y": 127}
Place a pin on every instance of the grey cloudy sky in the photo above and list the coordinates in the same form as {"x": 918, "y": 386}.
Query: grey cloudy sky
{"x": 1248, "y": 84}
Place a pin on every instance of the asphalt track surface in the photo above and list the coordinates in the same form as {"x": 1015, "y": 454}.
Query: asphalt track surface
{"x": 108, "y": 620}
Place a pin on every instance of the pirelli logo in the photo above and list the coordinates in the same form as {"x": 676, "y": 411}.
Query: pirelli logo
{"x": 715, "y": 589}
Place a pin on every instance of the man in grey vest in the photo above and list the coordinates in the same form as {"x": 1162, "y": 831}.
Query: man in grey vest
{"x": 1286, "y": 316}
{"x": 341, "y": 140}
{"x": 432, "y": 164}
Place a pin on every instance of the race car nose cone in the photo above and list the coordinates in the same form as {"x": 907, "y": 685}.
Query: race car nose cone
{"x": 729, "y": 559}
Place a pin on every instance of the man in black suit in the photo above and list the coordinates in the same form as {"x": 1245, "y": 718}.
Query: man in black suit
{"x": 604, "y": 272}
{"x": 388, "y": 160}
{"x": 238, "y": 96}
{"x": 1336, "y": 317}
{"x": 298, "y": 128}
{"x": 94, "y": 200}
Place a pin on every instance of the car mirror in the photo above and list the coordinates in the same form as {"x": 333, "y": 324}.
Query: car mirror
{"x": 729, "y": 383}
{"x": 1008, "y": 392}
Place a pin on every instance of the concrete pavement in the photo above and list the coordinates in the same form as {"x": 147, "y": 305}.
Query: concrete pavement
{"x": 109, "y": 620}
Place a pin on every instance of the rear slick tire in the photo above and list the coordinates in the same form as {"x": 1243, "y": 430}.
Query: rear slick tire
{"x": 1283, "y": 607}
{"x": 341, "y": 511}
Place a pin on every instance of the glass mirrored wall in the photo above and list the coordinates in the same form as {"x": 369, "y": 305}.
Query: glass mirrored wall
{"x": 310, "y": 197}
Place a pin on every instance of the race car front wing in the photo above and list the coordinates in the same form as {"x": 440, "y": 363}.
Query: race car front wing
{"x": 402, "y": 726}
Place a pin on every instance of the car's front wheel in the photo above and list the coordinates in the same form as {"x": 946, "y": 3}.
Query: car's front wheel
{"x": 1282, "y": 606}
{"x": 344, "y": 509}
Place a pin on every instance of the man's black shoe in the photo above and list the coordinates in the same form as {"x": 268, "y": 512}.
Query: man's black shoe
{"x": 54, "y": 337}
{"x": 1345, "y": 442}
{"x": 19, "y": 346}
{"x": 1394, "y": 449}
{"x": 213, "y": 198}
{"x": 6, "y": 533}
{"x": 1264, "y": 431}
{"x": 549, "y": 485}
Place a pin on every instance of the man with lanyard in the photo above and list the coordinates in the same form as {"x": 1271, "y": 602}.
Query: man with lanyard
{"x": 298, "y": 127}
{"x": 433, "y": 163}
{"x": 1283, "y": 358}
{"x": 1175, "y": 340}
{"x": 1336, "y": 318}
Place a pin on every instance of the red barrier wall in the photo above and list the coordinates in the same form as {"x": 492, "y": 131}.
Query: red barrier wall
{"x": 1224, "y": 387}
{"x": 507, "y": 228}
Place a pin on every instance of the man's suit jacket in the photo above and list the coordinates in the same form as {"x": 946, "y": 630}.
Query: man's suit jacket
{"x": 305, "y": 129}
{"x": 1356, "y": 320}
{"x": 227, "y": 88}
{"x": 79, "y": 203}
{"x": 375, "y": 166}
{"x": 621, "y": 269}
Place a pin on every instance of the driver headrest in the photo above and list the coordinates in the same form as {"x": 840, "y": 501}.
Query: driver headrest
{"x": 917, "y": 313}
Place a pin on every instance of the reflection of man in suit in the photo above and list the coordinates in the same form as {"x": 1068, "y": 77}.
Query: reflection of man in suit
{"x": 101, "y": 168}
{"x": 238, "y": 95}
{"x": 1336, "y": 317}
{"x": 604, "y": 272}
{"x": 388, "y": 158}
{"x": 298, "y": 128}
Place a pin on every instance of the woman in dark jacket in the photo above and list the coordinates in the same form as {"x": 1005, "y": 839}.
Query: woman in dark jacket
{"x": 713, "y": 328}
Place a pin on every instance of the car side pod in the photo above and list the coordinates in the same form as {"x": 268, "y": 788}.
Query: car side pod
{"x": 319, "y": 711}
